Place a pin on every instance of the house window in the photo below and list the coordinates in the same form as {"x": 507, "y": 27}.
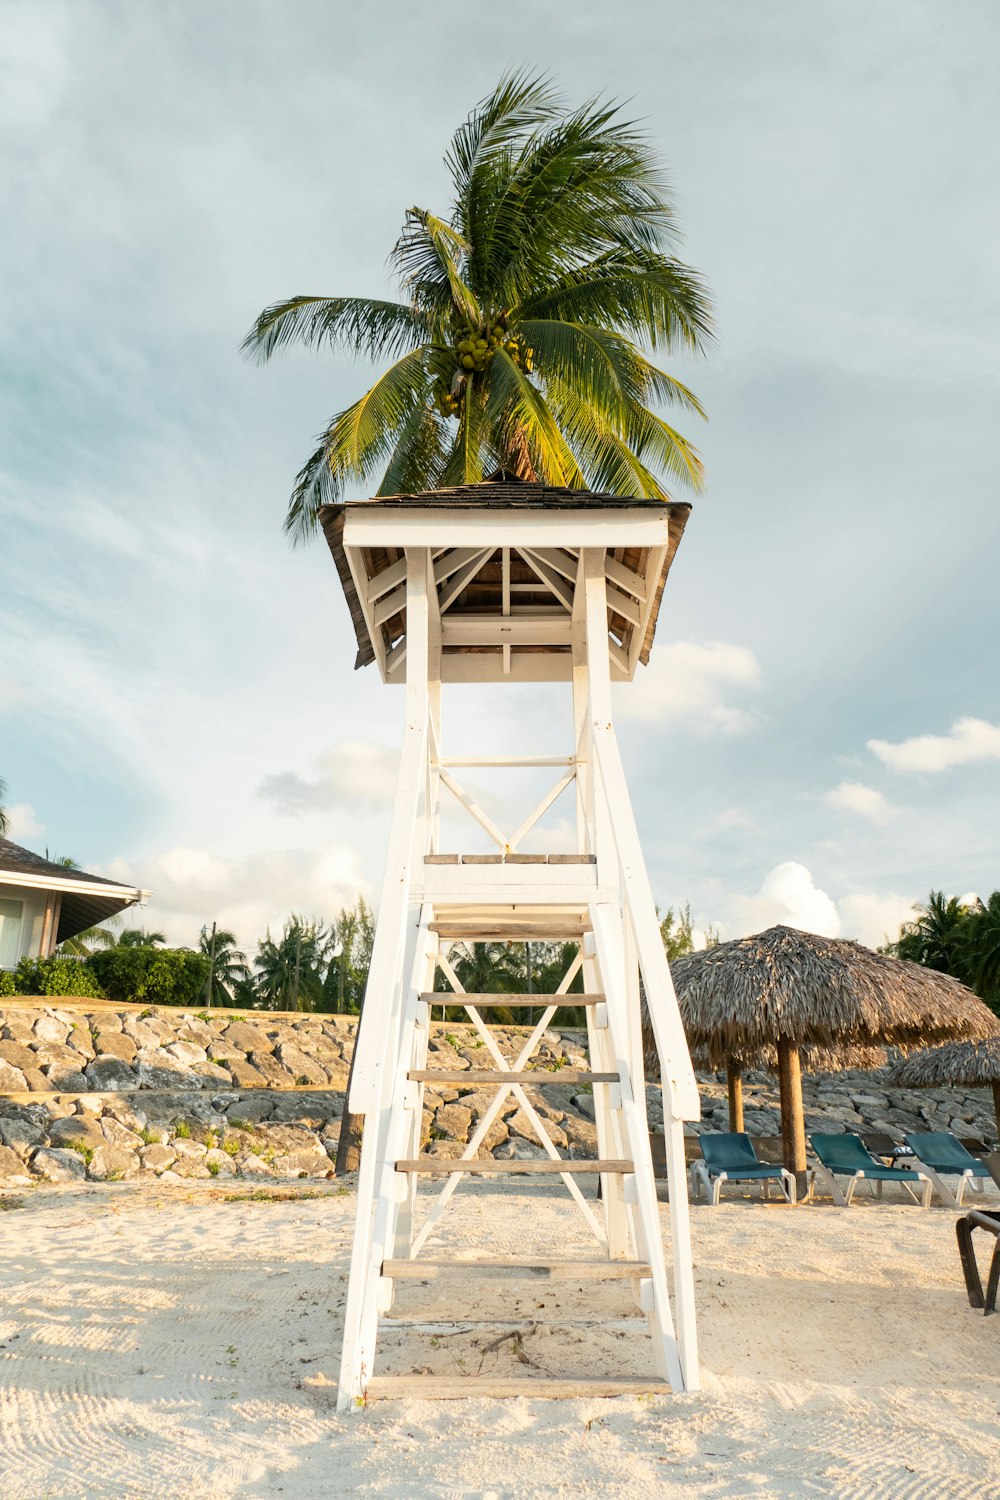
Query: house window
{"x": 10, "y": 933}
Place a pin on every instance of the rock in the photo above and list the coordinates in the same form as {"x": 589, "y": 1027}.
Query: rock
{"x": 49, "y": 1029}
{"x": 305, "y": 1163}
{"x": 253, "y": 1109}
{"x": 189, "y": 1150}
{"x": 110, "y": 1043}
{"x": 120, "y": 1135}
{"x": 219, "y": 1163}
{"x": 454, "y": 1121}
{"x": 126, "y": 1112}
{"x": 17, "y": 1055}
{"x": 157, "y": 1158}
{"x": 272, "y": 1071}
{"x": 90, "y": 1104}
{"x": 144, "y": 1033}
{"x": 245, "y": 1075}
{"x": 111, "y": 1164}
{"x": 80, "y": 1129}
{"x": 13, "y": 1172}
{"x": 581, "y": 1136}
{"x": 518, "y": 1124}
{"x": 585, "y": 1104}
{"x": 449, "y": 1150}
{"x": 187, "y": 1053}
{"x": 12, "y": 1080}
{"x": 300, "y": 1065}
{"x": 58, "y": 1165}
{"x": 249, "y": 1165}
{"x": 517, "y": 1149}
{"x": 20, "y": 1135}
{"x": 59, "y": 1076}
{"x": 246, "y": 1038}
{"x": 107, "y": 1074}
{"x": 211, "y": 1073}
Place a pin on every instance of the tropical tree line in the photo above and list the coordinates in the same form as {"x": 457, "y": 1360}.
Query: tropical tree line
{"x": 957, "y": 938}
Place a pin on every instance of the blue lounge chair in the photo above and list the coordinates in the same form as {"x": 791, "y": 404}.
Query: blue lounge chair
{"x": 845, "y": 1156}
{"x": 730, "y": 1157}
{"x": 941, "y": 1154}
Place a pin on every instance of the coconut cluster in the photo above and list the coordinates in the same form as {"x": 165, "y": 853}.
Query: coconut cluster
{"x": 474, "y": 348}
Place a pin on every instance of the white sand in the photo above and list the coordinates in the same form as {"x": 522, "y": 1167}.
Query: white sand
{"x": 159, "y": 1342}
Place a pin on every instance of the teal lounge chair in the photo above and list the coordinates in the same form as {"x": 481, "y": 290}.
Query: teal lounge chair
{"x": 845, "y": 1156}
{"x": 730, "y": 1157}
{"x": 940, "y": 1154}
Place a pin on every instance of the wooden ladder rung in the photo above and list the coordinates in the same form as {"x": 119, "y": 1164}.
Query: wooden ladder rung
{"x": 545, "y": 1387}
{"x": 509, "y": 1001}
{"x": 482, "y": 930}
{"x": 443, "y": 1166}
{"x": 517, "y": 1270}
{"x": 534, "y": 1075}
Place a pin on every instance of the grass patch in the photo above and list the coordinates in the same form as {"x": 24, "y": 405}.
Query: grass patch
{"x": 87, "y": 1152}
{"x": 182, "y": 1130}
{"x": 8, "y": 1205}
{"x": 214, "y": 1169}
{"x": 231, "y": 1146}
{"x": 264, "y": 1195}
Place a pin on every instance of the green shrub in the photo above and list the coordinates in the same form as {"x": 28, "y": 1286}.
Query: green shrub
{"x": 56, "y": 976}
{"x": 7, "y": 983}
{"x": 158, "y": 976}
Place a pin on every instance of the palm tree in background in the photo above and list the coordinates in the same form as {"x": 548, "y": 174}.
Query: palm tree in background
{"x": 938, "y": 936}
{"x": 138, "y": 937}
{"x": 518, "y": 346}
{"x": 984, "y": 949}
{"x": 289, "y": 972}
{"x": 229, "y": 967}
{"x": 4, "y": 818}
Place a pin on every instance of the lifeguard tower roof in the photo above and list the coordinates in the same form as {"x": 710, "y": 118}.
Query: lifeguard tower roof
{"x": 505, "y": 555}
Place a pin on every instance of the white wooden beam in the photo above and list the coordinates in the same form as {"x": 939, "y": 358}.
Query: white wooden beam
{"x": 462, "y": 576}
{"x": 553, "y": 580}
{"x": 374, "y": 526}
{"x": 633, "y": 583}
{"x": 387, "y": 580}
{"x": 558, "y": 558}
{"x": 486, "y": 630}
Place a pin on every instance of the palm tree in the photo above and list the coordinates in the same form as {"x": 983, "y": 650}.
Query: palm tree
{"x": 984, "y": 949}
{"x": 518, "y": 344}
{"x": 82, "y": 944}
{"x": 938, "y": 937}
{"x": 4, "y": 818}
{"x": 289, "y": 973}
{"x": 228, "y": 965}
{"x": 138, "y": 937}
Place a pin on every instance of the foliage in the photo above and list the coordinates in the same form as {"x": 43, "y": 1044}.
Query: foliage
{"x": 519, "y": 344}
{"x": 349, "y": 951}
{"x": 58, "y": 975}
{"x": 227, "y": 965}
{"x": 159, "y": 976}
{"x": 677, "y": 931}
{"x": 7, "y": 983}
{"x": 4, "y": 818}
{"x": 138, "y": 937}
{"x": 82, "y": 944}
{"x": 963, "y": 941}
{"x": 289, "y": 972}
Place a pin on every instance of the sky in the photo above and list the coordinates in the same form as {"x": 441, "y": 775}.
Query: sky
{"x": 817, "y": 737}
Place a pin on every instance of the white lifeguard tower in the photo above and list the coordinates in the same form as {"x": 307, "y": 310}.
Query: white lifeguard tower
{"x": 507, "y": 581}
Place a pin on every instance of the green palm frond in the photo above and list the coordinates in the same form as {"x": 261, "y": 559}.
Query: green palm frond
{"x": 520, "y": 340}
{"x": 364, "y": 325}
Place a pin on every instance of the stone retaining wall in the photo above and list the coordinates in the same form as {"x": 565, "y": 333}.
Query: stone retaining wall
{"x": 107, "y": 1093}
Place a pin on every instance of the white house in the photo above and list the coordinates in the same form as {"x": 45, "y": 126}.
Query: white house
{"x": 43, "y": 903}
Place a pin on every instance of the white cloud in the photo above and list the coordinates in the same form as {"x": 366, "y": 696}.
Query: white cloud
{"x": 873, "y": 917}
{"x": 855, "y": 797}
{"x": 348, "y": 774}
{"x": 691, "y": 681}
{"x": 22, "y": 822}
{"x": 968, "y": 740}
{"x": 788, "y": 896}
{"x": 192, "y": 888}
{"x": 734, "y": 817}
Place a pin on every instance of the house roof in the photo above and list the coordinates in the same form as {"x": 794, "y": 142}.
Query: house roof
{"x": 86, "y": 899}
{"x": 502, "y": 493}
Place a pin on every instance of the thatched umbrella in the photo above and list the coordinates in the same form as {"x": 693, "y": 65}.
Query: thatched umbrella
{"x": 789, "y": 989}
{"x": 958, "y": 1065}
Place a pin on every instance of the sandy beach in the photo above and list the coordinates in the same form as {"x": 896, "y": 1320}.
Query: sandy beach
{"x": 184, "y": 1341}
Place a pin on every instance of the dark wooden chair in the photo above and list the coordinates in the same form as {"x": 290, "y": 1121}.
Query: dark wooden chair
{"x": 965, "y": 1227}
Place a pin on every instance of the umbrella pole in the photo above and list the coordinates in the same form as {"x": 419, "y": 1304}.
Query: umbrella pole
{"x": 793, "y": 1134}
{"x": 734, "y": 1089}
{"x": 996, "y": 1104}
